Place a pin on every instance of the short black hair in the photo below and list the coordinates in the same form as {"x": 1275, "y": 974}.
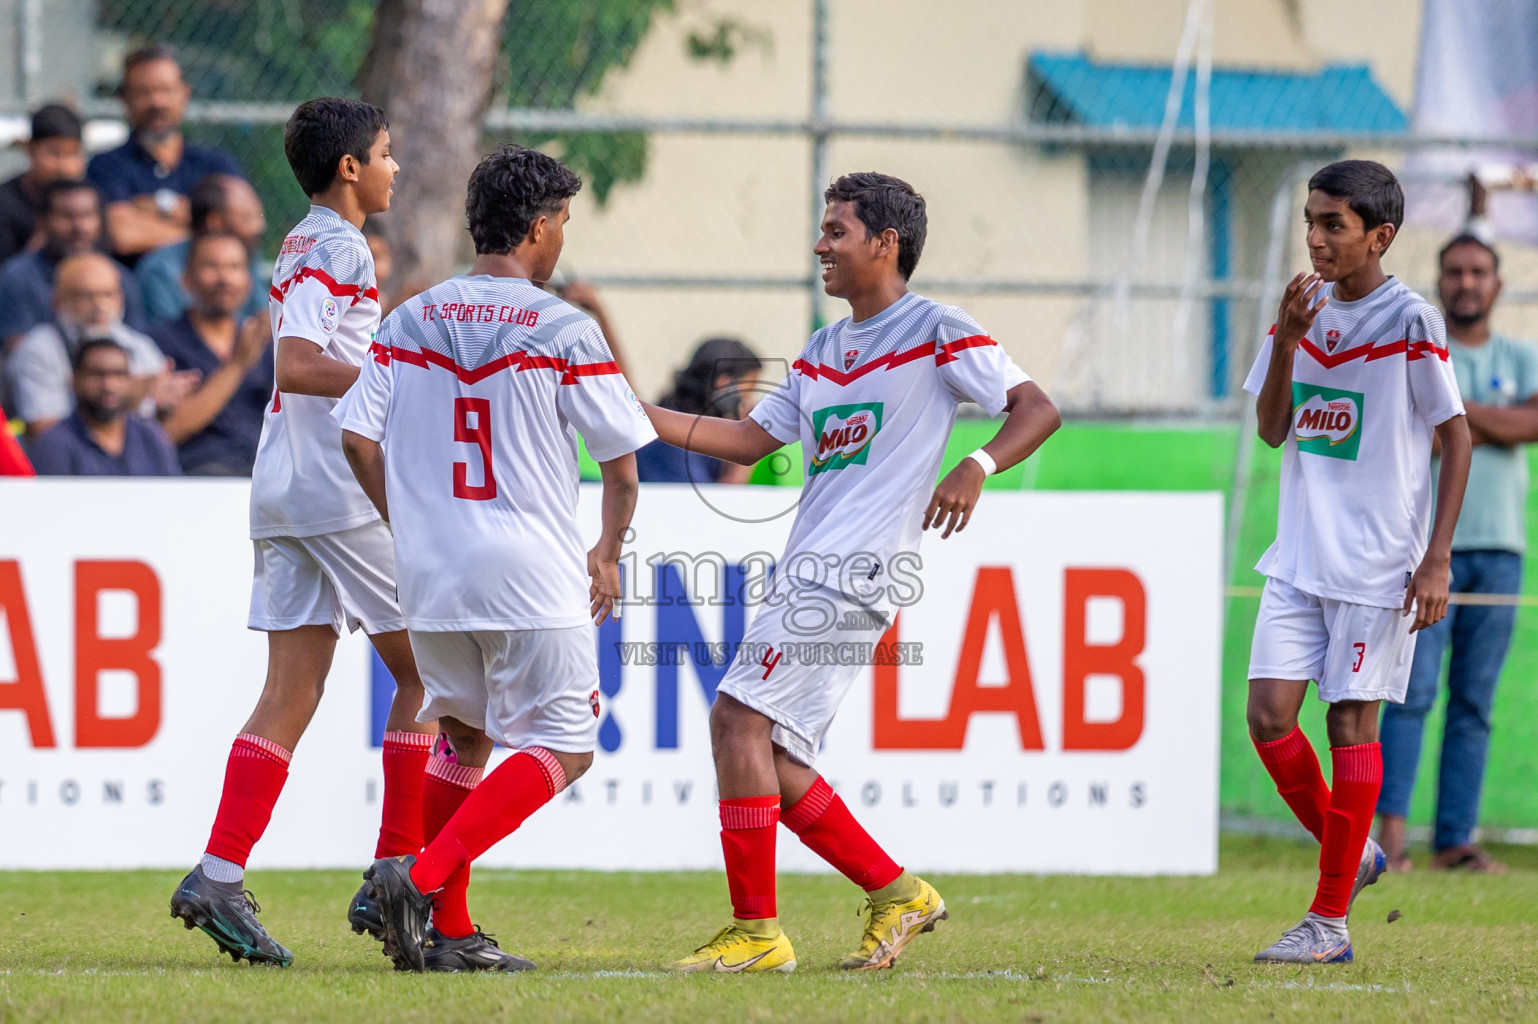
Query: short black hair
{"x": 63, "y": 186}
{"x": 322, "y": 131}
{"x": 1468, "y": 238}
{"x": 882, "y": 201}
{"x": 146, "y": 55}
{"x": 206, "y": 198}
{"x": 91, "y": 345}
{"x": 509, "y": 190}
{"x": 55, "y": 121}
{"x": 1369, "y": 188}
{"x": 197, "y": 241}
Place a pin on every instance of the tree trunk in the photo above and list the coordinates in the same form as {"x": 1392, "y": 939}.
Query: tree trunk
{"x": 429, "y": 67}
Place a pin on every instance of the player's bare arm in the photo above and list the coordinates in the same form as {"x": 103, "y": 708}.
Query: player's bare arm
{"x": 366, "y": 457}
{"x": 741, "y": 441}
{"x": 1429, "y": 585}
{"x": 1273, "y": 408}
{"x": 621, "y": 484}
{"x": 303, "y": 368}
{"x": 1030, "y": 418}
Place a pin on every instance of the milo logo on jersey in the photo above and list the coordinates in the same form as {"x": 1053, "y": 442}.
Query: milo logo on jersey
{"x": 844, "y": 433}
{"x": 1327, "y": 421}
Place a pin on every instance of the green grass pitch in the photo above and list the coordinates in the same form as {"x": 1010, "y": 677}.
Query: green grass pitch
{"x": 101, "y": 947}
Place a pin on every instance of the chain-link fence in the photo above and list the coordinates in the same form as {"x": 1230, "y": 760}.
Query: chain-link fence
{"x": 1113, "y": 220}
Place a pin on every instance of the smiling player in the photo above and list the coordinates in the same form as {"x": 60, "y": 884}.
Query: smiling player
{"x": 323, "y": 557}
{"x": 1354, "y": 380}
{"x": 872, "y": 400}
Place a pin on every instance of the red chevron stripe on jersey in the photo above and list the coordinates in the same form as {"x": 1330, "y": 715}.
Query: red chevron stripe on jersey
{"x": 341, "y": 291}
{"x": 942, "y": 354}
{"x": 1375, "y": 351}
{"x": 519, "y": 361}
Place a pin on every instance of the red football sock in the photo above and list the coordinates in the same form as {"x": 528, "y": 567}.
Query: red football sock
{"x": 826, "y": 826}
{"x": 747, "y": 840}
{"x": 1358, "y": 775}
{"x": 400, "y": 825}
{"x": 253, "y": 778}
{"x": 1295, "y": 769}
{"x": 445, "y": 786}
{"x": 520, "y": 786}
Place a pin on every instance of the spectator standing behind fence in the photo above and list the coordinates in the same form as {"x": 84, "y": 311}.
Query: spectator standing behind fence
{"x": 217, "y": 427}
{"x": 146, "y": 180}
{"x": 101, "y": 437}
{"x": 718, "y": 381}
{"x": 54, "y": 153}
{"x": 88, "y": 306}
{"x": 1498, "y": 378}
{"x": 221, "y": 203}
{"x": 71, "y": 225}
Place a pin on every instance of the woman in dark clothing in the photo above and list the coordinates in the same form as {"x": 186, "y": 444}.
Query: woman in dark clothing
{"x": 719, "y": 381}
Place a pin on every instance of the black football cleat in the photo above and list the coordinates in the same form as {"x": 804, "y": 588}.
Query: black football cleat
{"x": 404, "y": 910}
{"x": 227, "y": 913}
{"x": 363, "y": 914}
{"x": 475, "y": 952}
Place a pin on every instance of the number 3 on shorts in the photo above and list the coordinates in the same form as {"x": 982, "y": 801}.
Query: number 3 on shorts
{"x": 1361, "y": 652}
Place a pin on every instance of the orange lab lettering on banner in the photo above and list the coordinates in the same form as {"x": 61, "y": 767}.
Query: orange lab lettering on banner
{"x": 24, "y": 693}
{"x": 95, "y": 654}
{"x": 993, "y": 597}
{"x": 1082, "y": 659}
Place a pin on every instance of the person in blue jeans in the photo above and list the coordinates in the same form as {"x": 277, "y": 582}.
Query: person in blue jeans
{"x": 1498, "y": 378}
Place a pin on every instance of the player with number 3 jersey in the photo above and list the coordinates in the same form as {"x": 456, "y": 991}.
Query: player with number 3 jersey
{"x": 872, "y": 400}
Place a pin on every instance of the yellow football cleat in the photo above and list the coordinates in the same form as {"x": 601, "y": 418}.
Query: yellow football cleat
{"x": 891, "y": 924}
{"x": 734, "y": 951}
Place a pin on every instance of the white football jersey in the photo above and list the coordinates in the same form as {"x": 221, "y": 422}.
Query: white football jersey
{"x": 1369, "y": 382}
{"x": 477, "y": 390}
{"x": 872, "y": 404}
{"x": 322, "y": 291}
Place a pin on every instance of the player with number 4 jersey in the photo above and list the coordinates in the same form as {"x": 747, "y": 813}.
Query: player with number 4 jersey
{"x": 872, "y": 400}
{"x": 1353, "y": 384}
{"x": 463, "y": 431}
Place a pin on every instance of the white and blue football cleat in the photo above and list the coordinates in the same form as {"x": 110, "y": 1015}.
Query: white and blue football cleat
{"x": 1313, "y": 940}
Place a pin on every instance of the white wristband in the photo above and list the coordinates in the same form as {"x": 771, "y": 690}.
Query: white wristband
{"x": 984, "y": 460}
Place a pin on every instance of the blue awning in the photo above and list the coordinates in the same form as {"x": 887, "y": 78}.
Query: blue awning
{"x": 1337, "y": 99}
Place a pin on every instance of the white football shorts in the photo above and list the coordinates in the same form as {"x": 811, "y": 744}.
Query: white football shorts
{"x": 337, "y": 579}
{"x": 1352, "y": 651}
{"x": 524, "y": 688}
{"x": 799, "y": 656}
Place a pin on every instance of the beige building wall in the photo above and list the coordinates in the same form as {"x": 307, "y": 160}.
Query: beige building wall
{"x": 736, "y": 204}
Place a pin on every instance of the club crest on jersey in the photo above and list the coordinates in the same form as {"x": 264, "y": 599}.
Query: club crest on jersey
{"x": 850, "y": 357}
{"x": 592, "y": 702}
{"x": 329, "y": 314}
{"x": 844, "y": 434}
{"x": 1327, "y": 421}
{"x": 1331, "y": 339}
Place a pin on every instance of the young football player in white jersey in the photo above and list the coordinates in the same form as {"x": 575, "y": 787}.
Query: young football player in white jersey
{"x": 463, "y": 430}
{"x": 1354, "y": 381}
{"x": 324, "y": 560}
{"x": 872, "y": 400}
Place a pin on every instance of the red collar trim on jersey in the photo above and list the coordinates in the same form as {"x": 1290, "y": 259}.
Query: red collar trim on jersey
{"x": 518, "y": 361}
{"x": 1377, "y": 350}
{"x": 943, "y": 354}
{"x": 341, "y": 291}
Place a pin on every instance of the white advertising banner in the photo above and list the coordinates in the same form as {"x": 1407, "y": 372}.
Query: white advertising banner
{"x": 1047, "y": 700}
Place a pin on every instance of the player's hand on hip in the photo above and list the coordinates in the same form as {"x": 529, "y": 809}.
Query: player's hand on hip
{"x": 955, "y": 498}
{"x": 603, "y": 593}
{"x": 1427, "y": 593}
{"x": 1296, "y": 314}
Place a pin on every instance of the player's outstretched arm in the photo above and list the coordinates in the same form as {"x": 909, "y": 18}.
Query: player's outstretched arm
{"x": 366, "y": 457}
{"x": 1432, "y": 579}
{"x": 741, "y": 441}
{"x": 1029, "y": 419}
{"x": 621, "y": 483}
{"x": 1273, "y": 407}
{"x": 303, "y": 368}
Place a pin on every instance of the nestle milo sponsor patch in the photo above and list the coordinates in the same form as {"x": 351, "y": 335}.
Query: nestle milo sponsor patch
{"x": 844, "y": 434}
{"x": 1327, "y": 421}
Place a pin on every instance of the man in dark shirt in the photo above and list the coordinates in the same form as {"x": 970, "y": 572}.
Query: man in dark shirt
{"x": 100, "y": 438}
{"x": 71, "y": 226}
{"x": 217, "y": 427}
{"x": 221, "y": 203}
{"x": 146, "y": 180}
{"x": 54, "y": 153}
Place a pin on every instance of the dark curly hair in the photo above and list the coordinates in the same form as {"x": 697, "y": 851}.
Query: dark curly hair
{"x": 882, "y": 201}
{"x": 694, "y": 386}
{"x": 1369, "y": 188}
{"x": 322, "y": 131}
{"x": 509, "y": 191}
